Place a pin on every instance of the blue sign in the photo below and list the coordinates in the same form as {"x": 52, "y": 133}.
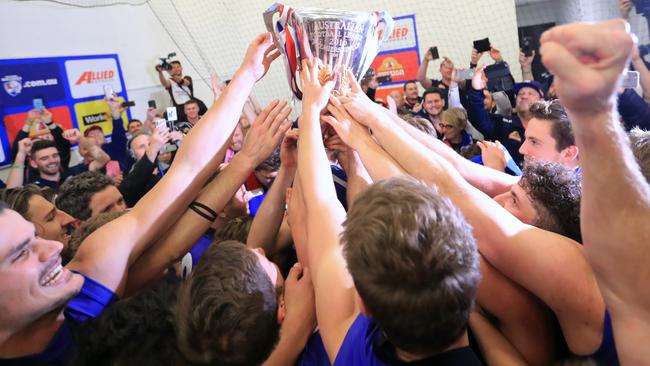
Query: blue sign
{"x": 21, "y": 83}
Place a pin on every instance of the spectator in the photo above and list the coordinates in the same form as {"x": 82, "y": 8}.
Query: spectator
{"x": 410, "y": 99}
{"x": 89, "y": 194}
{"x": 180, "y": 88}
{"x": 453, "y": 124}
{"x": 134, "y": 127}
{"x": 549, "y": 136}
{"x": 45, "y": 158}
{"x": 144, "y": 149}
{"x": 55, "y": 131}
{"x": 509, "y": 131}
{"x": 433, "y": 103}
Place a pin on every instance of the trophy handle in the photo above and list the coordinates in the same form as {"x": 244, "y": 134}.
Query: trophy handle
{"x": 285, "y": 40}
{"x": 389, "y": 23}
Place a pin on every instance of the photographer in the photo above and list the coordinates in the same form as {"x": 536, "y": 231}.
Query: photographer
{"x": 180, "y": 88}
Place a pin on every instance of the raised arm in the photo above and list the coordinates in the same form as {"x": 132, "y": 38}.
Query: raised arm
{"x": 17, "y": 170}
{"x": 132, "y": 233}
{"x": 333, "y": 286}
{"x": 270, "y": 215}
{"x": 542, "y": 262}
{"x": 422, "y": 70}
{"x": 163, "y": 80}
{"x": 487, "y": 180}
{"x": 588, "y": 61}
{"x": 526, "y": 63}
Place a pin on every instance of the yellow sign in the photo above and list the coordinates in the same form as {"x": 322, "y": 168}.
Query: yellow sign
{"x": 96, "y": 113}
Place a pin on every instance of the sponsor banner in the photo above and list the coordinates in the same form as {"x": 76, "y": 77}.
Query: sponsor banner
{"x": 14, "y": 123}
{"x": 403, "y": 36}
{"x": 400, "y": 66}
{"x": 87, "y": 77}
{"x": 96, "y": 113}
{"x": 22, "y": 82}
{"x": 60, "y": 82}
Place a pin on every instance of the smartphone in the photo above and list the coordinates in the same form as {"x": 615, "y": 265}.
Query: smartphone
{"x": 630, "y": 80}
{"x": 171, "y": 114}
{"x": 38, "y": 104}
{"x": 160, "y": 123}
{"x": 128, "y": 104}
{"x": 464, "y": 74}
{"x": 152, "y": 104}
{"x": 108, "y": 91}
{"x": 434, "y": 52}
{"x": 482, "y": 45}
{"x": 527, "y": 46}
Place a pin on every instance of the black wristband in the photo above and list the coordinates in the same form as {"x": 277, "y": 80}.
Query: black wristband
{"x": 203, "y": 211}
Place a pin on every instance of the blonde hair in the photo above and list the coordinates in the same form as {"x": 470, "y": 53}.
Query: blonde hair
{"x": 456, "y": 117}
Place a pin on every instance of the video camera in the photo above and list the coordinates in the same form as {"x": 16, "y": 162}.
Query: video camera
{"x": 164, "y": 62}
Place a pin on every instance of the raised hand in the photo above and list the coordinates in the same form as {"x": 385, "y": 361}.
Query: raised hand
{"x": 493, "y": 155}
{"x": 477, "y": 79}
{"x": 25, "y": 146}
{"x": 624, "y": 7}
{"x": 587, "y": 61}
{"x": 259, "y": 56}
{"x": 46, "y": 116}
{"x": 73, "y": 135}
{"x": 315, "y": 95}
{"x": 495, "y": 54}
{"x": 526, "y": 61}
{"x": 299, "y": 301}
{"x": 357, "y": 103}
{"x": 346, "y": 127}
{"x": 267, "y": 131}
{"x": 159, "y": 137}
{"x": 289, "y": 149}
{"x": 476, "y": 56}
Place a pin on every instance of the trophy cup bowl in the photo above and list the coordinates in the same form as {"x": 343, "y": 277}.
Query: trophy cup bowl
{"x": 341, "y": 39}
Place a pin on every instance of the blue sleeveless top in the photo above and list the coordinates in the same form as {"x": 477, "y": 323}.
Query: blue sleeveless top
{"x": 606, "y": 353}
{"x": 365, "y": 344}
{"x": 89, "y": 303}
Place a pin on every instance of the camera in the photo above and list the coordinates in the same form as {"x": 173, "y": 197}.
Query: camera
{"x": 164, "y": 62}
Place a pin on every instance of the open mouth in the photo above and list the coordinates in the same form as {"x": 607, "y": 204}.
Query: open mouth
{"x": 54, "y": 276}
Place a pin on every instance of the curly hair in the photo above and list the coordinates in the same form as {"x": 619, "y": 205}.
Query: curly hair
{"x": 640, "y": 143}
{"x": 76, "y": 192}
{"x": 555, "y": 193}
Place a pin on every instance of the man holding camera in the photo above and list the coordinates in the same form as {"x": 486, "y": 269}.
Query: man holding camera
{"x": 180, "y": 88}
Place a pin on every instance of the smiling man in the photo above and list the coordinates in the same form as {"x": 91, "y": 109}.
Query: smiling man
{"x": 549, "y": 136}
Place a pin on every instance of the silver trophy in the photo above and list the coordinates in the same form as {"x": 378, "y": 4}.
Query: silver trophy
{"x": 341, "y": 39}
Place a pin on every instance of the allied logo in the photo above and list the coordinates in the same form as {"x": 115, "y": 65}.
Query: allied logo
{"x": 12, "y": 84}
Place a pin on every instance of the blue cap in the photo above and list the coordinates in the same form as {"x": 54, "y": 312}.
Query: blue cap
{"x": 530, "y": 84}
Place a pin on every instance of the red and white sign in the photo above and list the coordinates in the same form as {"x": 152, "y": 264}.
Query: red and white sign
{"x": 403, "y": 35}
{"x": 87, "y": 78}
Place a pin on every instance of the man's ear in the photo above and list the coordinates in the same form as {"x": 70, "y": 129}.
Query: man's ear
{"x": 281, "y": 310}
{"x": 32, "y": 163}
{"x": 570, "y": 153}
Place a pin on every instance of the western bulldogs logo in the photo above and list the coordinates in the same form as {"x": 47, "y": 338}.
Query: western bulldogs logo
{"x": 12, "y": 84}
